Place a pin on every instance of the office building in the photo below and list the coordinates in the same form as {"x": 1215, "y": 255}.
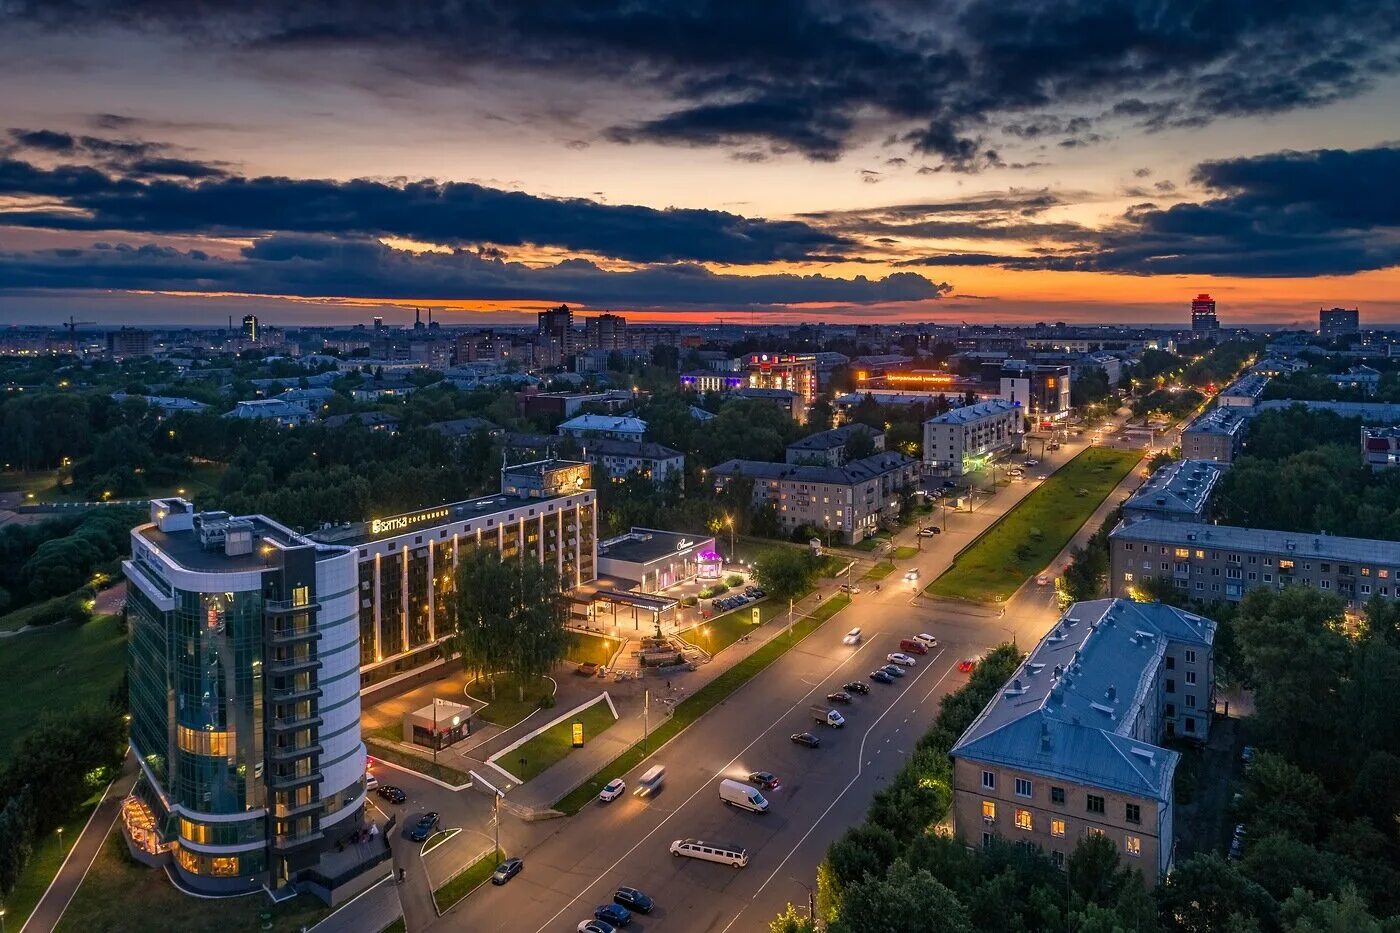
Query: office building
{"x": 605, "y": 332}
{"x": 850, "y": 500}
{"x": 545, "y": 509}
{"x": 1210, "y": 562}
{"x": 618, "y": 460}
{"x": 1042, "y": 390}
{"x": 1177, "y": 492}
{"x": 245, "y": 699}
{"x": 828, "y": 448}
{"x": 1380, "y": 447}
{"x": 1071, "y": 746}
{"x": 1244, "y": 392}
{"x": 1204, "y": 323}
{"x": 1216, "y": 435}
{"x": 788, "y": 371}
{"x": 1338, "y": 322}
{"x": 961, "y": 440}
{"x": 129, "y": 343}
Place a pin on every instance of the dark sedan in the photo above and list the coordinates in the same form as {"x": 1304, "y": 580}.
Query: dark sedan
{"x": 764, "y": 779}
{"x": 424, "y": 827}
{"x": 806, "y": 738}
{"x": 391, "y": 793}
{"x": 507, "y": 870}
{"x": 856, "y": 686}
{"x": 839, "y": 696}
{"x": 634, "y": 900}
{"x": 881, "y": 676}
{"x": 615, "y": 914}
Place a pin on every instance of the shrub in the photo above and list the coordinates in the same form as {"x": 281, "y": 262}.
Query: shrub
{"x": 734, "y": 579}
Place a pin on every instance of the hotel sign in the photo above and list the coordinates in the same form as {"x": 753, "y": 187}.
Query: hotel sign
{"x": 380, "y": 526}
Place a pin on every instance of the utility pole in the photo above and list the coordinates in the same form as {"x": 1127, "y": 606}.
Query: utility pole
{"x": 789, "y": 627}
{"x": 646, "y": 710}
{"x": 496, "y": 819}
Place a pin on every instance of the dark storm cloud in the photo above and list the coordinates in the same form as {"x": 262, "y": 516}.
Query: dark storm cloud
{"x": 1324, "y": 212}
{"x": 990, "y": 216}
{"x": 132, "y": 157}
{"x": 202, "y": 199}
{"x": 816, "y": 75}
{"x": 336, "y": 267}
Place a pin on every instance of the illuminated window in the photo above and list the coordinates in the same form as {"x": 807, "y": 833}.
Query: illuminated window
{"x": 301, "y": 595}
{"x": 1200, "y": 555}
{"x": 194, "y": 832}
{"x": 1023, "y": 819}
{"x": 989, "y": 811}
{"x": 1133, "y": 846}
{"x": 1285, "y": 564}
{"x": 202, "y": 742}
{"x": 1093, "y": 831}
{"x": 1057, "y": 827}
{"x": 1183, "y": 552}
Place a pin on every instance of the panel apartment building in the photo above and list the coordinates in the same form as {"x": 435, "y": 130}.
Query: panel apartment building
{"x": 406, "y": 563}
{"x": 1223, "y": 562}
{"x": 955, "y": 441}
{"x": 1071, "y": 746}
{"x": 1216, "y": 435}
{"x": 849, "y": 500}
{"x": 245, "y": 699}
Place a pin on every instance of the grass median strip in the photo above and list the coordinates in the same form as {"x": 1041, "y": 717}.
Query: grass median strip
{"x": 1028, "y": 537}
{"x": 704, "y": 699}
{"x": 550, "y": 746}
{"x": 466, "y": 881}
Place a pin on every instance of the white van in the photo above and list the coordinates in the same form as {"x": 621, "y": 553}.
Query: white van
{"x": 650, "y": 782}
{"x": 742, "y": 796}
{"x": 711, "y": 852}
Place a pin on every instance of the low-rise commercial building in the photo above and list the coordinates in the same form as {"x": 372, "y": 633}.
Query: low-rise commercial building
{"x": 1224, "y": 562}
{"x": 654, "y": 560}
{"x": 712, "y": 380}
{"x": 828, "y": 448}
{"x": 1216, "y": 435}
{"x": 619, "y": 459}
{"x": 957, "y": 441}
{"x": 1177, "y": 492}
{"x": 245, "y": 700}
{"x": 545, "y": 510}
{"x": 850, "y": 500}
{"x": 1072, "y": 745}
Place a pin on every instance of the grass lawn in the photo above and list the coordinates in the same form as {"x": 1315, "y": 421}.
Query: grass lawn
{"x": 507, "y": 708}
{"x": 43, "y": 865}
{"x": 594, "y": 649}
{"x": 878, "y": 572}
{"x": 879, "y": 539}
{"x": 465, "y": 881}
{"x": 57, "y": 668}
{"x": 696, "y": 705}
{"x": 202, "y": 479}
{"x": 905, "y": 552}
{"x": 378, "y": 748}
{"x": 35, "y": 481}
{"x": 552, "y": 745}
{"x": 1028, "y": 537}
{"x": 120, "y": 895}
{"x": 26, "y": 615}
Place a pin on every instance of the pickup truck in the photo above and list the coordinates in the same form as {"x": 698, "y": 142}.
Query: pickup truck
{"x": 828, "y": 717}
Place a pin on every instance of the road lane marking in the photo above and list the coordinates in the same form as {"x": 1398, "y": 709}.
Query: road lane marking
{"x": 830, "y": 806}
{"x": 611, "y": 868}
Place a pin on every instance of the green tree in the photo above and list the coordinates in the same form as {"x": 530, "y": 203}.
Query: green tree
{"x": 784, "y": 572}
{"x": 1095, "y": 875}
{"x": 1280, "y": 863}
{"x": 1303, "y": 912}
{"x": 1207, "y": 894}
{"x": 1282, "y": 797}
{"x": 863, "y": 849}
{"x": 901, "y": 900}
{"x": 859, "y": 445}
{"x": 790, "y": 921}
{"x": 509, "y": 615}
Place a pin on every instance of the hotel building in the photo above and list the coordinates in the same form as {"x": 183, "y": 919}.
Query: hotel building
{"x": 406, "y": 563}
{"x": 1071, "y": 745}
{"x": 245, "y": 701}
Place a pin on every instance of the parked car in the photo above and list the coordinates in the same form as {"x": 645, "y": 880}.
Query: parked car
{"x": 507, "y": 870}
{"x": 902, "y": 659}
{"x": 850, "y": 588}
{"x": 805, "y": 738}
{"x": 1043, "y": 580}
{"x": 894, "y": 670}
{"x": 927, "y": 640}
{"x": 764, "y": 779}
{"x": 856, "y": 686}
{"x": 930, "y": 531}
{"x": 615, "y": 914}
{"x": 880, "y": 675}
{"x": 840, "y": 696}
{"x": 391, "y": 793}
{"x": 634, "y": 900}
{"x": 1031, "y": 461}
{"x": 424, "y": 827}
{"x": 613, "y": 790}
{"x": 852, "y": 637}
{"x": 949, "y": 484}
{"x": 912, "y": 646}
{"x": 596, "y": 926}
{"x": 967, "y": 664}
{"x": 912, "y": 574}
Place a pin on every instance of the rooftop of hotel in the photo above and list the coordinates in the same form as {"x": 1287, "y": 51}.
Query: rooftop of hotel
{"x": 1070, "y": 708}
{"x": 201, "y": 547}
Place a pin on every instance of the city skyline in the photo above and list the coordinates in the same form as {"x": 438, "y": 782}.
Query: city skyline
{"x": 994, "y": 164}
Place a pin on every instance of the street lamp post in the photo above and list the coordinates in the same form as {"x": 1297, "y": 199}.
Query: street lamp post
{"x": 646, "y": 710}
{"x": 495, "y": 819}
{"x": 729, "y": 520}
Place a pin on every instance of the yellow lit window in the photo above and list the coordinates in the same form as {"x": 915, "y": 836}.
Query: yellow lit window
{"x": 1023, "y": 819}
{"x": 194, "y": 832}
{"x": 1183, "y": 552}
{"x": 1200, "y": 555}
{"x": 1057, "y": 827}
{"x": 989, "y": 810}
{"x": 301, "y": 595}
{"x": 1285, "y": 564}
{"x": 1093, "y": 831}
{"x": 204, "y": 742}
{"x": 224, "y": 867}
{"x": 1133, "y": 846}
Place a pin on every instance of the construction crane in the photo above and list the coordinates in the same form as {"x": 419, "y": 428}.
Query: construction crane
{"x": 72, "y": 326}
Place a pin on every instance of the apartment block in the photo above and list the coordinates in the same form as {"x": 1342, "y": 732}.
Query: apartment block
{"x": 1177, "y": 492}
{"x": 619, "y": 459}
{"x": 828, "y": 448}
{"x": 1216, "y": 435}
{"x": 1071, "y": 745}
{"x": 1244, "y": 392}
{"x": 955, "y": 442}
{"x": 1224, "y": 562}
{"x": 850, "y": 500}
{"x": 1380, "y": 447}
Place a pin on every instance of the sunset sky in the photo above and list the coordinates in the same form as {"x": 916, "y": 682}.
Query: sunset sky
{"x": 988, "y": 160}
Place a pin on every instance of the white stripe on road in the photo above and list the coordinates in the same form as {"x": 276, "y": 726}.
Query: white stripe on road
{"x": 818, "y": 820}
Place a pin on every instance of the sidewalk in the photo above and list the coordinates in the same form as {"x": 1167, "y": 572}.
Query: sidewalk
{"x": 75, "y": 866}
